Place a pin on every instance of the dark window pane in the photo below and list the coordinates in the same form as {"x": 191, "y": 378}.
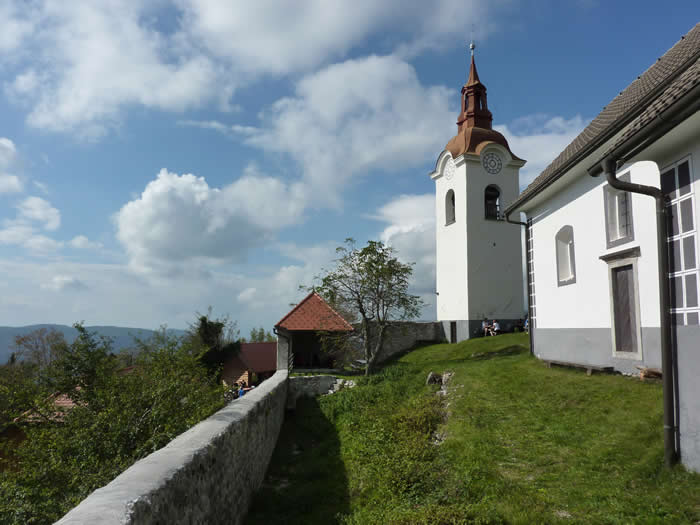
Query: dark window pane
{"x": 692, "y": 318}
{"x": 691, "y": 291}
{"x": 674, "y": 219}
{"x": 676, "y": 256}
{"x": 687, "y": 214}
{"x": 668, "y": 183}
{"x": 676, "y": 292}
{"x": 689, "y": 253}
{"x": 683, "y": 178}
{"x": 677, "y": 319}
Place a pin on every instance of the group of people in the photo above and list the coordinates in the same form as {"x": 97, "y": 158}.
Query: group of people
{"x": 239, "y": 390}
{"x": 492, "y": 328}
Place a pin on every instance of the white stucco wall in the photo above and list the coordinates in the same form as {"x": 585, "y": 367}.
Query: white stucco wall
{"x": 478, "y": 261}
{"x": 494, "y": 248}
{"x": 586, "y": 303}
{"x": 451, "y": 241}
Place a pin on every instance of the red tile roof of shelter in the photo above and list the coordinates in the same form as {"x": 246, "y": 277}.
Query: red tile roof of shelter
{"x": 260, "y": 357}
{"x": 313, "y": 313}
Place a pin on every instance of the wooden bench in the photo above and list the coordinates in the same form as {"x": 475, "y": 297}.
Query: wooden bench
{"x": 589, "y": 368}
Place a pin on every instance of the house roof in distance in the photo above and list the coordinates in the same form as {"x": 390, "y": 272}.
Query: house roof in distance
{"x": 635, "y": 99}
{"x": 260, "y": 357}
{"x": 313, "y": 313}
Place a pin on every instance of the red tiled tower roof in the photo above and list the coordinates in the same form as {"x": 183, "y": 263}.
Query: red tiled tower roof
{"x": 474, "y": 129}
{"x": 313, "y": 313}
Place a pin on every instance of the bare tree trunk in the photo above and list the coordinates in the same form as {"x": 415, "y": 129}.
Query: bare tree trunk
{"x": 377, "y": 347}
{"x": 365, "y": 344}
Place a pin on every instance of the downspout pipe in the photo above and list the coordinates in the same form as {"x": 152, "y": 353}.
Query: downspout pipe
{"x": 527, "y": 267}
{"x": 682, "y": 108}
{"x": 667, "y": 361}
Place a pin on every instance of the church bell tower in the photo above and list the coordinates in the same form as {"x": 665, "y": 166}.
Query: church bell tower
{"x": 479, "y": 255}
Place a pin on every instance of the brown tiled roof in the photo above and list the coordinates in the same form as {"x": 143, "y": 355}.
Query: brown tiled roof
{"x": 260, "y": 357}
{"x": 61, "y": 403}
{"x": 679, "y": 87}
{"x": 637, "y": 98}
{"x": 313, "y": 313}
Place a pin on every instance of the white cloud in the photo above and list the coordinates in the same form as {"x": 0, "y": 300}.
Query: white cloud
{"x": 9, "y": 183}
{"x": 15, "y": 23}
{"x": 410, "y": 230}
{"x": 180, "y": 219}
{"x": 42, "y": 245}
{"x": 43, "y": 188}
{"x": 98, "y": 58}
{"x": 64, "y": 282}
{"x": 539, "y": 139}
{"x": 246, "y": 295}
{"x": 33, "y": 213}
{"x": 81, "y": 242}
{"x": 354, "y": 117}
{"x": 79, "y": 65}
{"x": 40, "y": 210}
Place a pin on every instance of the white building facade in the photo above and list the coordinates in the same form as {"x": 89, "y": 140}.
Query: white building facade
{"x": 592, "y": 252}
{"x": 479, "y": 256}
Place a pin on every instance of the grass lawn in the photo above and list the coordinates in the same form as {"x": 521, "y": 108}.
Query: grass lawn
{"x": 520, "y": 443}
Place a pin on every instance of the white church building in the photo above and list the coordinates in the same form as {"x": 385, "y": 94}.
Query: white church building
{"x": 608, "y": 285}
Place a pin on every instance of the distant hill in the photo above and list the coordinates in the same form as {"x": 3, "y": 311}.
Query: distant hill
{"x": 122, "y": 337}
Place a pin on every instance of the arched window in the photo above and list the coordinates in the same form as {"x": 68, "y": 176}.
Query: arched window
{"x": 450, "y": 207}
{"x": 566, "y": 261}
{"x": 492, "y": 202}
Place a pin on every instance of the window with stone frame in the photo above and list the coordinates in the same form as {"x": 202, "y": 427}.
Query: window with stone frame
{"x": 566, "y": 260}
{"x": 618, "y": 215}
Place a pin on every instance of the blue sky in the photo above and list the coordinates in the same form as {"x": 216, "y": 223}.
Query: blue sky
{"x": 159, "y": 157}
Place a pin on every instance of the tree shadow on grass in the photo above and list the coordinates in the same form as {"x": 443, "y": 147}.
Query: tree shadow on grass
{"x": 502, "y": 352}
{"x": 306, "y": 482}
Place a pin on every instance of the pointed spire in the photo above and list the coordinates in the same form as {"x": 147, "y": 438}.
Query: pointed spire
{"x": 475, "y": 111}
{"x": 474, "y": 122}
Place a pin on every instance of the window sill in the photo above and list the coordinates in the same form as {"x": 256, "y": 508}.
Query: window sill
{"x": 567, "y": 282}
{"x": 632, "y": 356}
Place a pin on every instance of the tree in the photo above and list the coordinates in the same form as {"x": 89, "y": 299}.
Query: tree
{"x": 259, "y": 335}
{"x": 119, "y": 417}
{"x": 214, "y": 341}
{"x": 371, "y": 286}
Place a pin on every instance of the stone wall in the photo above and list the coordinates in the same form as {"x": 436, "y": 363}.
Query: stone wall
{"x": 308, "y": 386}
{"x": 208, "y": 474}
{"x": 401, "y": 336}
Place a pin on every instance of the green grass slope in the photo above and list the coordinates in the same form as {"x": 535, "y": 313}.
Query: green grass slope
{"x": 522, "y": 444}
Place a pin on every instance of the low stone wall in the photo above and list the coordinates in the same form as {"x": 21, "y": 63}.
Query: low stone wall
{"x": 308, "y": 386}
{"x": 208, "y": 474}
{"x": 400, "y": 336}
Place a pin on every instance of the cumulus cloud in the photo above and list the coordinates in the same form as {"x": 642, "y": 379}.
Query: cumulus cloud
{"x": 246, "y": 295}
{"x": 410, "y": 228}
{"x": 64, "y": 282}
{"x": 40, "y": 210}
{"x": 180, "y": 218}
{"x": 272, "y": 37}
{"x": 81, "y": 242}
{"x": 16, "y": 22}
{"x": 539, "y": 139}
{"x": 351, "y": 118}
{"x": 99, "y": 58}
{"x": 9, "y": 183}
{"x": 33, "y": 214}
{"x": 79, "y": 65}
